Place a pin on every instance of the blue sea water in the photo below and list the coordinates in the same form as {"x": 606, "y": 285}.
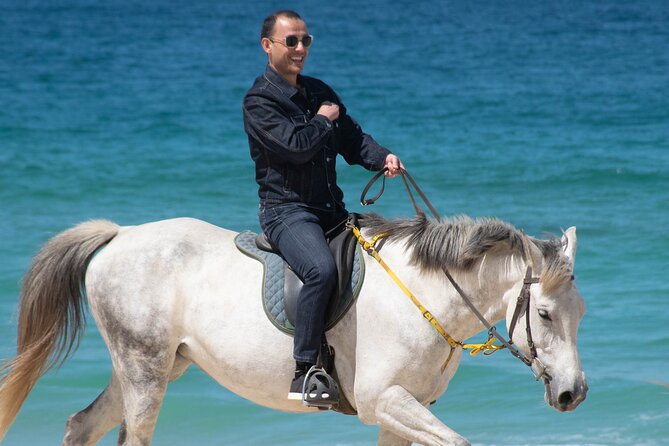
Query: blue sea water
{"x": 544, "y": 114}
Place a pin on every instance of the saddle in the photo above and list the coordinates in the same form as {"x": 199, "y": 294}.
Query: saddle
{"x": 281, "y": 286}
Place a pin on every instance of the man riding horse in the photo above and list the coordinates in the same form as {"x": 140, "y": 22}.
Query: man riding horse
{"x": 296, "y": 126}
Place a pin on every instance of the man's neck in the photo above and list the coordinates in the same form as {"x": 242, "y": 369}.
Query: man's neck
{"x": 290, "y": 78}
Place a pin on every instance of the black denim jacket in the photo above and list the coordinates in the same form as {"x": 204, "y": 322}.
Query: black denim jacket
{"x": 294, "y": 149}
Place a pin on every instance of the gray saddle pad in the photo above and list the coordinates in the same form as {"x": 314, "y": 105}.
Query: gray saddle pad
{"x": 274, "y": 277}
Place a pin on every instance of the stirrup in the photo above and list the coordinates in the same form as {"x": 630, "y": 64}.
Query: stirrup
{"x": 319, "y": 389}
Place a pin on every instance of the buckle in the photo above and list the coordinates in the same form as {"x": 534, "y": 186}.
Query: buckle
{"x": 539, "y": 370}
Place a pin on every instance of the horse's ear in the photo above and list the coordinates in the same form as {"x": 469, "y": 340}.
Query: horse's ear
{"x": 569, "y": 243}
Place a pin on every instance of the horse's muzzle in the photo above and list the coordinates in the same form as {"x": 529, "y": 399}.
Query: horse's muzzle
{"x": 566, "y": 398}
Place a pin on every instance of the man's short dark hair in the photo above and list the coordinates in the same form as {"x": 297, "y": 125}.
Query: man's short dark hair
{"x": 270, "y": 21}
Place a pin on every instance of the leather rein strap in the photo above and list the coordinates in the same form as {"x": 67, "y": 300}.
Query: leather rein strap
{"x": 405, "y": 176}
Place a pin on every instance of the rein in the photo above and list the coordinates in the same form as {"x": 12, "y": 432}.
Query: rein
{"x": 488, "y": 348}
{"x": 405, "y": 175}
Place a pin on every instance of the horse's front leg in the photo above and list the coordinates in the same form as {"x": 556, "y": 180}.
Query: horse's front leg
{"x": 399, "y": 412}
{"x": 387, "y": 438}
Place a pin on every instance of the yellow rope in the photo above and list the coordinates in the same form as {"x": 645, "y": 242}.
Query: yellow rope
{"x": 369, "y": 247}
{"x": 487, "y": 348}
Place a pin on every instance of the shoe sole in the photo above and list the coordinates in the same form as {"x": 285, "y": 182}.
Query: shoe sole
{"x": 295, "y": 396}
{"x": 298, "y": 396}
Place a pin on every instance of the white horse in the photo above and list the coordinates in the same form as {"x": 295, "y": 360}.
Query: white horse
{"x": 175, "y": 292}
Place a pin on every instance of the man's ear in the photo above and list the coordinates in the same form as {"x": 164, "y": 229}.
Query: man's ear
{"x": 266, "y": 45}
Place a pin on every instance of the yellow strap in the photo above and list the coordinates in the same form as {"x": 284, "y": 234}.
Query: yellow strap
{"x": 488, "y": 348}
{"x": 369, "y": 247}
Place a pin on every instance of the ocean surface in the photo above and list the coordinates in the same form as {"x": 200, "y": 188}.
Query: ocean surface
{"x": 544, "y": 114}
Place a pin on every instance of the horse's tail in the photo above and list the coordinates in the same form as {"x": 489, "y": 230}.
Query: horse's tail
{"x": 51, "y": 315}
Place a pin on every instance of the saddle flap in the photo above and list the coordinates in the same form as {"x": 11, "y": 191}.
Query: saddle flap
{"x": 292, "y": 285}
{"x": 343, "y": 247}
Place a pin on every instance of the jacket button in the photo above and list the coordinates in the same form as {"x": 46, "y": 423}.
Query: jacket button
{"x": 328, "y": 205}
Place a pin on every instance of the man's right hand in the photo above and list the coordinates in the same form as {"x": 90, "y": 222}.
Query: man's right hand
{"x": 329, "y": 110}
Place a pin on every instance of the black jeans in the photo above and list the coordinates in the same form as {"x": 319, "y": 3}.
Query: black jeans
{"x": 299, "y": 233}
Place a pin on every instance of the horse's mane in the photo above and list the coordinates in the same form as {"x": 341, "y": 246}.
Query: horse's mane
{"x": 459, "y": 242}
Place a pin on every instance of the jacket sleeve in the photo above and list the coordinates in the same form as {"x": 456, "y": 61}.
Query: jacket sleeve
{"x": 297, "y": 143}
{"x": 356, "y": 146}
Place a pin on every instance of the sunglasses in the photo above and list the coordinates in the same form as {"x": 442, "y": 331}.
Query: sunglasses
{"x": 293, "y": 41}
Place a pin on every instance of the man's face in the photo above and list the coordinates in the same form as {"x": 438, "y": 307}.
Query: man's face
{"x": 288, "y": 62}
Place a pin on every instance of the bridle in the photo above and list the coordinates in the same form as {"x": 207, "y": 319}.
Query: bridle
{"x": 522, "y": 301}
{"x": 522, "y": 308}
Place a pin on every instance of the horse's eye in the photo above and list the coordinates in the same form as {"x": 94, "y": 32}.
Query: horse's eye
{"x": 544, "y": 315}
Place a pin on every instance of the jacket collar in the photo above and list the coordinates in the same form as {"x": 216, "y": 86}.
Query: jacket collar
{"x": 279, "y": 82}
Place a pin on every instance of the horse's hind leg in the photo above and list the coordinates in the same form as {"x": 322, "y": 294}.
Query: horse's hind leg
{"x": 88, "y": 426}
{"x": 143, "y": 378}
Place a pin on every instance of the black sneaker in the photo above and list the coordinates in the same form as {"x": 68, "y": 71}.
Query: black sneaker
{"x": 297, "y": 387}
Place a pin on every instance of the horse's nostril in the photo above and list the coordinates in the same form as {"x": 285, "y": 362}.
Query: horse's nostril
{"x": 565, "y": 399}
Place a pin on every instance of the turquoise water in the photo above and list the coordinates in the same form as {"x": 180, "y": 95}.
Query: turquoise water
{"x": 546, "y": 116}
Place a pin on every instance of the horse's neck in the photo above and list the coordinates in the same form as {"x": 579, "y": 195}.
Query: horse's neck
{"x": 488, "y": 285}
{"x": 502, "y": 274}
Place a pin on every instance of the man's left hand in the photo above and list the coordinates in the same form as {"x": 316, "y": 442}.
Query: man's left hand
{"x": 394, "y": 166}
